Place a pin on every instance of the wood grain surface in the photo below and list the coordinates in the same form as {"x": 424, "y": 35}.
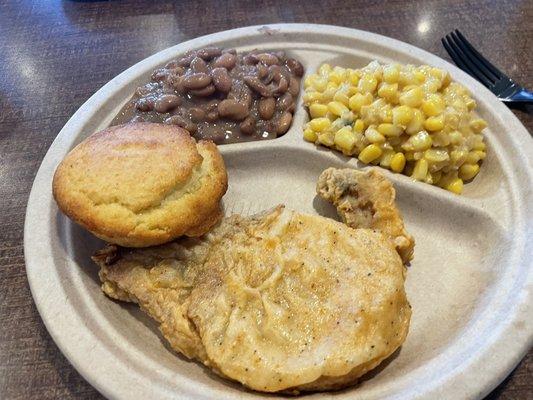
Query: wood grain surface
{"x": 55, "y": 54}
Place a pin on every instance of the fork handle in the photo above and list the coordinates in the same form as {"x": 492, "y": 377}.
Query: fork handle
{"x": 522, "y": 96}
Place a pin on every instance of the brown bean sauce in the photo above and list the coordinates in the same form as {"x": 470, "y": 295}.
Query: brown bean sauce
{"x": 220, "y": 95}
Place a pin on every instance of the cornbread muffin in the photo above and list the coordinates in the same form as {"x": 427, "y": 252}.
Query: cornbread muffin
{"x": 142, "y": 184}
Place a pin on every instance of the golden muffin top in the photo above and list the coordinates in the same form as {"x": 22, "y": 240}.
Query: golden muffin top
{"x": 142, "y": 184}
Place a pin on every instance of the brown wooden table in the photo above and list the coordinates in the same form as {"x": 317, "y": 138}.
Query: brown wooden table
{"x": 54, "y": 55}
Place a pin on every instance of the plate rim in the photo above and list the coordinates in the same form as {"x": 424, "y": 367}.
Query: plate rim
{"x": 514, "y": 351}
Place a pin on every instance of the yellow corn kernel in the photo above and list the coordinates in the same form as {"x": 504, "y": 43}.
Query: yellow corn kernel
{"x": 309, "y": 80}
{"x": 416, "y": 124}
{"x": 318, "y": 110}
{"x": 455, "y": 137}
{"x": 480, "y": 154}
{"x": 319, "y": 124}
{"x": 419, "y": 76}
{"x": 391, "y": 73}
{"x": 421, "y": 170}
{"x": 412, "y": 97}
{"x": 386, "y": 158}
{"x": 458, "y": 157}
{"x": 337, "y": 108}
{"x": 359, "y": 100}
{"x": 373, "y": 135}
{"x": 402, "y": 115}
{"x": 351, "y": 90}
{"x": 388, "y": 91}
{"x": 389, "y": 130}
{"x": 397, "y": 162}
{"x": 328, "y": 94}
{"x": 336, "y": 77}
{"x": 359, "y": 126}
{"x": 433, "y": 105}
{"x": 434, "y": 123}
{"x": 325, "y": 69}
{"x": 367, "y": 83}
{"x": 436, "y": 156}
{"x": 312, "y": 97}
{"x": 326, "y": 138}
{"x": 472, "y": 157}
{"x": 419, "y": 142}
{"x": 353, "y": 77}
{"x": 468, "y": 171}
{"x": 385, "y": 113}
{"x": 310, "y": 135}
{"x": 471, "y": 104}
{"x": 370, "y": 153}
{"x": 480, "y": 146}
{"x": 320, "y": 84}
{"x": 342, "y": 98}
{"x": 478, "y": 124}
{"x": 345, "y": 140}
{"x": 455, "y": 186}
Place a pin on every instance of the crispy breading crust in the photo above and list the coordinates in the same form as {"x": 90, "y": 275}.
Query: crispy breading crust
{"x": 142, "y": 184}
{"x": 281, "y": 302}
{"x": 366, "y": 199}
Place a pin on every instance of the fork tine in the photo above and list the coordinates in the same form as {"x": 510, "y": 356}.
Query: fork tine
{"x": 463, "y": 62}
{"x": 472, "y": 58}
{"x": 486, "y": 63}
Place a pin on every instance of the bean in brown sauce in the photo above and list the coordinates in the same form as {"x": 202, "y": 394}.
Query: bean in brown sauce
{"x": 232, "y": 109}
{"x": 247, "y": 126}
{"x": 267, "y": 107}
{"x": 221, "y": 95}
{"x": 284, "y": 122}
{"x": 166, "y": 102}
{"x": 226, "y": 60}
{"x": 196, "y": 81}
{"x": 221, "y": 79}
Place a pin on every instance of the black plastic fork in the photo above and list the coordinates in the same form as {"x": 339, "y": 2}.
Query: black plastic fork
{"x": 473, "y": 63}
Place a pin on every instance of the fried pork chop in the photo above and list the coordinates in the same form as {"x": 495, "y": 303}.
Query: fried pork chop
{"x": 366, "y": 199}
{"x": 280, "y": 301}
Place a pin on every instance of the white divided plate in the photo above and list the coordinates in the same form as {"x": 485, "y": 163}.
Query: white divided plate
{"x": 469, "y": 284}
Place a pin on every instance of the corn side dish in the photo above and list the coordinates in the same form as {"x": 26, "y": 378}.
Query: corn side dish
{"x": 411, "y": 120}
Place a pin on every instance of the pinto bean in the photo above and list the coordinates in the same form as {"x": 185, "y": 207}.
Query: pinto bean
{"x": 255, "y": 84}
{"x": 282, "y": 87}
{"x": 226, "y": 60}
{"x": 186, "y": 60}
{"x": 247, "y": 126}
{"x": 166, "y": 103}
{"x": 232, "y": 109}
{"x": 212, "y": 116}
{"x": 250, "y": 59}
{"x": 266, "y": 108}
{"x": 209, "y": 53}
{"x": 285, "y": 102}
{"x": 197, "y": 114}
{"x": 145, "y": 104}
{"x": 198, "y": 65}
{"x": 221, "y": 79}
{"x": 295, "y": 67}
{"x": 207, "y": 91}
{"x": 262, "y": 71}
{"x": 267, "y": 58}
{"x": 242, "y": 93}
{"x": 196, "y": 81}
{"x": 294, "y": 86}
{"x": 284, "y": 123}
